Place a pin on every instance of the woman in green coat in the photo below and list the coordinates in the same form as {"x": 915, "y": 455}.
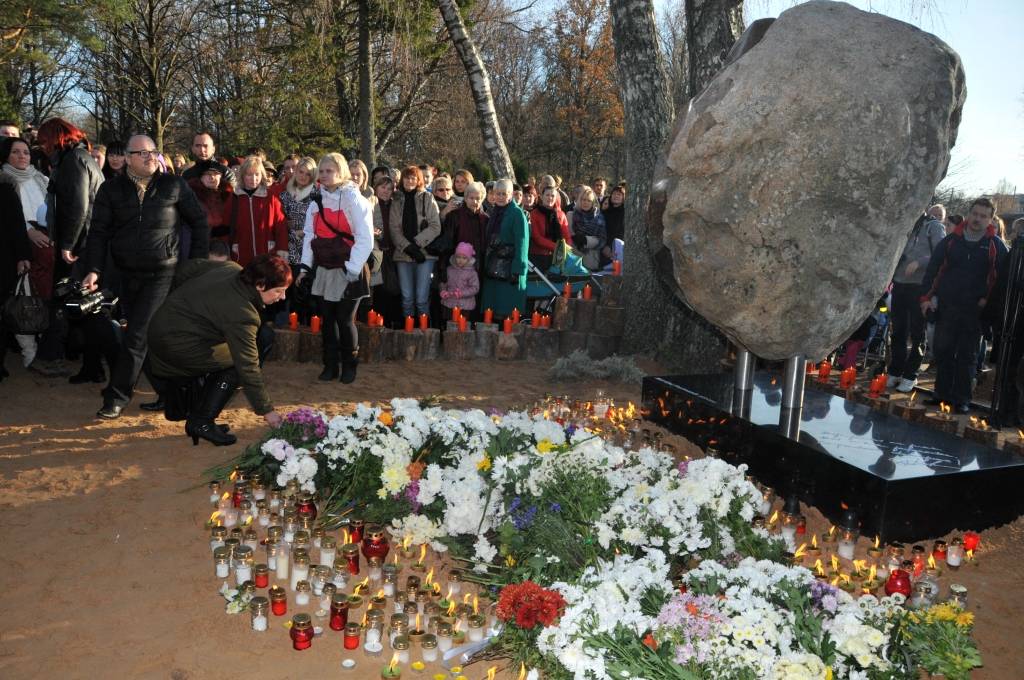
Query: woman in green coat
{"x": 208, "y": 328}
{"x": 507, "y": 225}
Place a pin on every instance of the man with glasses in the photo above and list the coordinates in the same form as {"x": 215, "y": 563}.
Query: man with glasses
{"x": 136, "y": 217}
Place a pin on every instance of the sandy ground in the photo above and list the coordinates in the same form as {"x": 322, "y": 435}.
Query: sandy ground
{"x": 106, "y": 570}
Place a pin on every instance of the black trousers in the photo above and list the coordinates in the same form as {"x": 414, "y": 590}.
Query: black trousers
{"x": 907, "y": 320}
{"x": 957, "y": 334}
{"x": 341, "y": 340}
{"x": 141, "y": 296}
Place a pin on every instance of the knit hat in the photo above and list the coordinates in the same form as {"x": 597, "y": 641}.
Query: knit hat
{"x": 465, "y": 249}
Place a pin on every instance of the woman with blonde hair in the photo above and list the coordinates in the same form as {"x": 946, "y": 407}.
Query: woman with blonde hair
{"x": 361, "y": 178}
{"x": 338, "y": 239}
{"x": 587, "y": 225}
{"x": 295, "y": 199}
{"x": 255, "y": 217}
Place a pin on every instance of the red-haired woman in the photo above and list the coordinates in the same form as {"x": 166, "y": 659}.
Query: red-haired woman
{"x": 209, "y": 327}
{"x": 74, "y": 180}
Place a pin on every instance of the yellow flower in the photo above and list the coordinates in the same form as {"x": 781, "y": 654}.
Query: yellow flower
{"x": 484, "y": 465}
{"x": 965, "y": 619}
{"x": 510, "y": 561}
{"x": 943, "y": 612}
{"x": 386, "y": 419}
{"x": 828, "y": 673}
{"x": 545, "y": 446}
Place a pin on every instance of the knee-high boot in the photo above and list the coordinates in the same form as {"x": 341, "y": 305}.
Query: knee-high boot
{"x": 217, "y": 391}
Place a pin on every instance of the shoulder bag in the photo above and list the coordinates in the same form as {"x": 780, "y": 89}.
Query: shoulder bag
{"x": 333, "y": 252}
{"x": 24, "y": 313}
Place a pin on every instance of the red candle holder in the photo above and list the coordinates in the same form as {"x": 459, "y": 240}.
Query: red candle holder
{"x": 356, "y": 529}
{"x": 352, "y": 632}
{"x": 261, "y": 576}
{"x": 339, "y": 611}
{"x": 302, "y": 632}
{"x": 350, "y": 551}
{"x": 488, "y": 315}
{"x": 824, "y": 371}
{"x": 898, "y": 582}
{"x": 278, "y": 601}
{"x": 971, "y": 540}
{"x": 375, "y": 544}
{"x": 306, "y": 506}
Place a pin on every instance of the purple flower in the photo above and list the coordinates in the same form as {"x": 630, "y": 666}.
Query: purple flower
{"x": 412, "y": 491}
{"x": 556, "y": 507}
{"x": 682, "y": 467}
{"x": 690, "y": 619}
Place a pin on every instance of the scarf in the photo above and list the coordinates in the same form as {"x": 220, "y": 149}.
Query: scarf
{"x": 553, "y": 230}
{"x": 140, "y": 183}
{"x": 410, "y": 225}
{"x": 590, "y": 223}
{"x": 494, "y": 225}
{"x": 300, "y": 194}
{"x": 31, "y": 189}
{"x": 29, "y": 174}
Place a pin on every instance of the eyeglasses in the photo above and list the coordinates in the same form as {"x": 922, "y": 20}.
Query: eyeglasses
{"x": 143, "y": 153}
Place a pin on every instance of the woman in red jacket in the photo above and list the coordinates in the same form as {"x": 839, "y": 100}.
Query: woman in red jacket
{"x": 257, "y": 221}
{"x": 548, "y": 226}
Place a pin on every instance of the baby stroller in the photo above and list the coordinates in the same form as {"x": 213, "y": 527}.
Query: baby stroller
{"x": 566, "y": 267}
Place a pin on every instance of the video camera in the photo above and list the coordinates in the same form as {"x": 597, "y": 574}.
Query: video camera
{"x": 76, "y": 302}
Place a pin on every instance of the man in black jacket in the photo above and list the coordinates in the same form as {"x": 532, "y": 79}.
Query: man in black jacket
{"x": 203, "y": 149}
{"x": 962, "y": 275}
{"x": 136, "y": 216}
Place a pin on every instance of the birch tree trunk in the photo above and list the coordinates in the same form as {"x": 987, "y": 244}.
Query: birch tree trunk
{"x": 657, "y": 319}
{"x": 480, "y": 84}
{"x": 367, "y": 141}
{"x": 712, "y": 27}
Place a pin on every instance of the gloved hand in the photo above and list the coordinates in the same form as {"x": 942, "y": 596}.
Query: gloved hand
{"x": 445, "y": 295}
{"x": 580, "y": 241}
{"x": 414, "y": 251}
{"x": 352, "y": 278}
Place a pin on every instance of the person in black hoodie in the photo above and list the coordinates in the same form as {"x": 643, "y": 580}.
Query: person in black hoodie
{"x": 962, "y": 275}
{"x": 136, "y": 216}
{"x": 614, "y": 211}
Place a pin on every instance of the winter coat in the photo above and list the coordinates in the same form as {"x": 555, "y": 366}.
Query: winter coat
{"x": 14, "y": 243}
{"x": 347, "y": 211}
{"x": 504, "y": 296}
{"x": 541, "y": 231}
{"x": 143, "y": 236}
{"x": 961, "y": 272}
{"x": 464, "y": 283}
{"x": 196, "y": 171}
{"x": 74, "y": 181}
{"x": 926, "y": 234}
{"x": 214, "y": 202}
{"x": 469, "y": 227}
{"x": 209, "y": 323}
{"x": 258, "y": 226}
{"x": 428, "y": 224}
{"x": 295, "y": 209}
{"x": 590, "y": 225}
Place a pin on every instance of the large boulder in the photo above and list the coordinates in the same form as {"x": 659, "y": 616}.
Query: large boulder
{"x": 790, "y": 186}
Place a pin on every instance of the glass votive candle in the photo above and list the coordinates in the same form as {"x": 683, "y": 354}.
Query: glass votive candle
{"x": 274, "y": 500}
{"x": 303, "y": 590}
{"x": 374, "y": 566}
{"x": 278, "y": 601}
{"x": 317, "y": 535}
{"x": 428, "y": 648}
{"x": 444, "y": 637}
{"x": 301, "y": 539}
{"x": 955, "y": 553}
{"x": 389, "y": 578}
{"x": 401, "y": 646}
{"x": 291, "y": 525}
{"x": 847, "y": 543}
{"x": 222, "y": 561}
{"x": 301, "y": 632}
{"x": 300, "y": 568}
{"x": 214, "y": 493}
{"x": 476, "y": 628}
{"x": 350, "y": 551}
{"x": 217, "y": 536}
{"x": 455, "y": 581}
{"x": 352, "y": 633}
{"x": 259, "y": 607}
{"x": 261, "y": 575}
{"x": 340, "y": 572}
{"x": 328, "y": 550}
{"x": 400, "y": 599}
{"x": 243, "y": 563}
{"x": 917, "y": 556}
{"x": 282, "y": 568}
{"x": 327, "y": 596}
{"x": 321, "y": 576}
{"x": 958, "y": 595}
{"x": 339, "y": 611}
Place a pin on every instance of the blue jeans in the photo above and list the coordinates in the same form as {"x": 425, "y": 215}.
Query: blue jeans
{"x": 415, "y": 282}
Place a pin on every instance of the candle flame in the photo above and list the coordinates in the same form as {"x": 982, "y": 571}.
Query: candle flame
{"x": 396, "y": 558}
{"x": 363, "y": 624}
{"x": 380, "y": 593}
{"x": 775, "y": 516}
{"x": 451, "y": 609}
{"x": 233, "y": 476}
{"x": 423, "y": 553}
{"x": 458, "y": 625}
{"x": 522, "y": 671}
{"x": 476, "y": 604}
{"x": 944, "y": 408}
{"x": 430, "y": 574}
{"x": 1020, "y": 433}
{"x": 345, "y": 537}
{"x": 491, "y": 672}
{"x": 872, "y": 572}
{"x": 215, "y": 517}
{"x": 405, "y": 542}
{"x": 931, "y": 561}
{"x": 449, "y": 595}
{"x": 845, "y": 577}
{"x": 835, "y": 581}
{"x": 818, "y": 568}
{"x": 835, "y": 563}
{"x": 974, "y": 420}
{"x": 248, "y": 521}
{"x": 984, "y": 424}
{"x": 800, "y": 551}
{"x": 225, "y": 496}
{"x": 465, "y": 598}
{"x": 814, "y": 540}
{"x": 970, "y": 554}
{"x": 417, "y": 622}
{"x": 876, "y": 541}
{"x": 361, "y": 585}
{"x": 913, "y": 396}
{"x": 394, "y": 662}
{"x": 437, "y": 589}
{"x": 858, "y": 565}
{"x": 832, "y": 531}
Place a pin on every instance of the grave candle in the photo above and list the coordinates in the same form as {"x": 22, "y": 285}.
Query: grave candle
{"x": 506, "y": 326}
{"x": 278, "y": 601}
{"x": 261, "y": 575}
{"x": 424, "y": 322}
{"x": 371, "y": 318}
{"x": 456, "y": 314}
{"x": 939, "y": 550}
{"x": 293, "y": 321}
{"x": 314, "y": 324}
{"x": 300, "y": 569}
{"x": 428, "y": 645}
{"x": 258, "y": 609}
{"x": 516, "y": 317}
{"x": 222, "y": 561}
{"x": 824, "y": 371}
{"x": 302, "y": 632}
{"x": 351, "y": 639}
{"x": 971, "y": 540}
{"x": 401, "y": 646}
{"x": 545, "y": 321}
{"x": 488, "y": 315}
{"x": 955, "y": 554}
{"x": 303, "y": 589}
{"x": 214, "y": 493}
{"x": 392, "y": 671}
{"x": 535, "y": 319}
{"x": 898, "y": 582}
{"x": 463, "y": 324}
{"x": 328, "y": 550}
{"x": 587, "y": 292}
{"x": 339, "y": 612}
{"x": 567, "y": 290}
{"x": 409, "y": 324}
{"x": 847, "y": 542}
{"x": 217, "y": 536}
{"x": 350, "y": 551}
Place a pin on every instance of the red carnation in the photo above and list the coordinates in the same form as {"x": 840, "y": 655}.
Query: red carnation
{"x": 527, "y": 604}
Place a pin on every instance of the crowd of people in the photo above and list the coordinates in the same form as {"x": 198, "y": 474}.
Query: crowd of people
{"x": 326, "y": 236}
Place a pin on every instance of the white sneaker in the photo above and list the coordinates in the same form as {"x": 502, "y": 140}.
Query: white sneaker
{"x": 893, "y": 381}
{"x": 906, "y": 385}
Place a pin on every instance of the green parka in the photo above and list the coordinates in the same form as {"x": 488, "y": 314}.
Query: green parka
{"x": 208, "y": 323}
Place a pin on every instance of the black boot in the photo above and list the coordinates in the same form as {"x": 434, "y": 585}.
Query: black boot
{"x": 348, "y": 368}
{"x": 87, "y": 376}
{"x": 330, "y": 372}
{"x": 217, "y": 391}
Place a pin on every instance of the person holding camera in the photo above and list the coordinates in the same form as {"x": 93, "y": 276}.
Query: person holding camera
{"x": 414, "y": 224}
{"x": 136, "y": 217}
{"x": 207, "y": 339}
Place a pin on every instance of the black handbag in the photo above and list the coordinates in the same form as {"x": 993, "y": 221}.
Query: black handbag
{"x": 330, "y": 253}
{"x": 498, "y": 263}
{"x": 25, "y": 314}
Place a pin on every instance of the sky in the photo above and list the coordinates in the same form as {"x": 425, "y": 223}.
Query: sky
{"x": 986, "y": 35}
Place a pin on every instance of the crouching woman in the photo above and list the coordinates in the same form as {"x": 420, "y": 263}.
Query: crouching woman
{"x": 207, "y": 339}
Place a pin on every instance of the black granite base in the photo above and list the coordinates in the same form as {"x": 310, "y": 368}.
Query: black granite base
{"x": 906, "y": 481}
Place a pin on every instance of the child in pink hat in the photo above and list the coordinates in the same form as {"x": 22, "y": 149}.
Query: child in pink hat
{"x": 463, "y": 284}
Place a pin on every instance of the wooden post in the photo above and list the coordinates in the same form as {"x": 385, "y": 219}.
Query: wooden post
{"x": 508, "y": 347}
{"x": 286, "y": 345}
{"x": 570, "y": 341}
{"x": 458, "y": 345}
{"x": 541, "y": 344}
{"x": 431, "y": 344}
{"x": 373, "y": 343}
{"x": 610, "y": 320}
{"x": 611, "y": 290}
{"x": 586, "y": 310}
{"x": 486, "y": 340}
{"x": 311, "y": 346}
{"x": 408, "y": 345}
{"x": 563, "y": 318}
{"x": 602, "y": 346}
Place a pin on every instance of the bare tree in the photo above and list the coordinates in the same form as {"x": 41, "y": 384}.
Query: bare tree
{"x": 480, "y": 85}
